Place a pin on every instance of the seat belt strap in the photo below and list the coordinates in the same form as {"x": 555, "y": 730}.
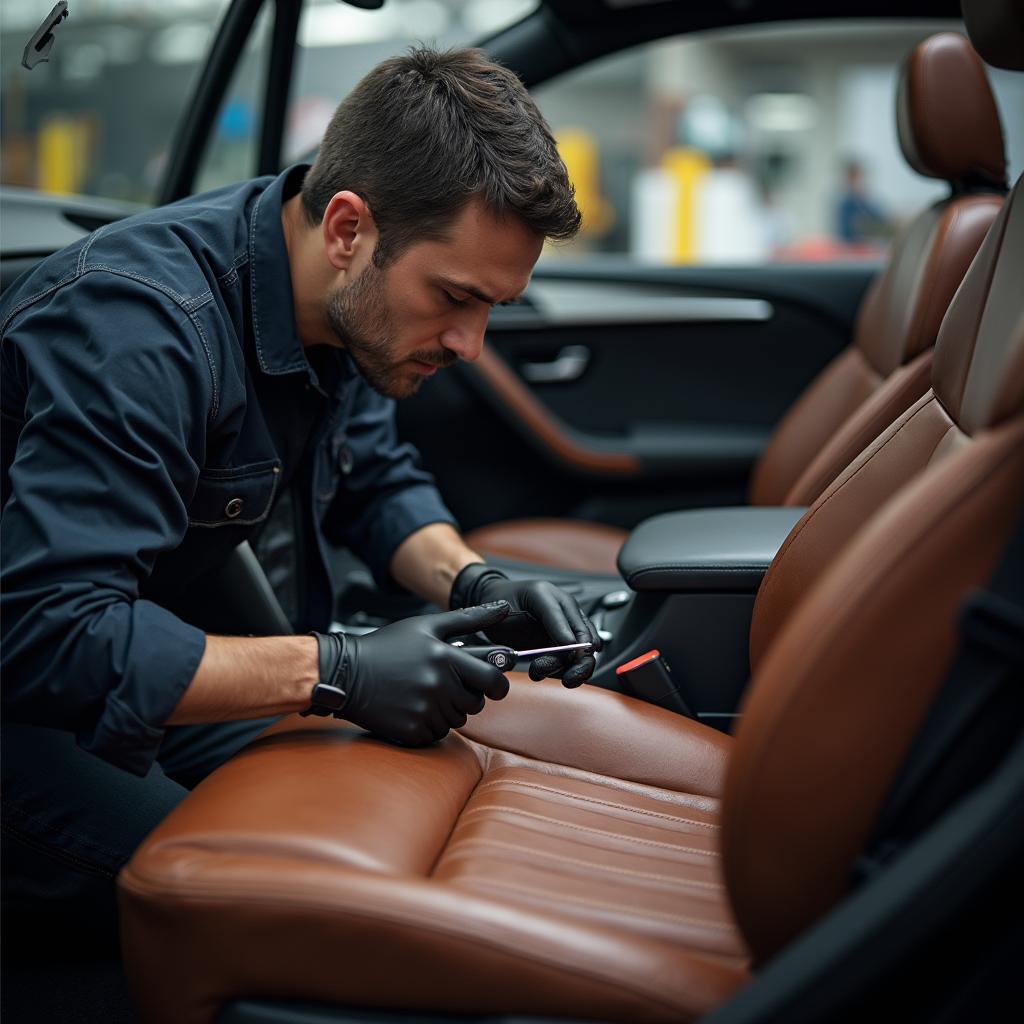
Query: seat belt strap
{"x": 978, "y": 710}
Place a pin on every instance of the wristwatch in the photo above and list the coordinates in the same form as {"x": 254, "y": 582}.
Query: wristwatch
{"x": 329, "y": 695}
{"x": 325, "y": 700}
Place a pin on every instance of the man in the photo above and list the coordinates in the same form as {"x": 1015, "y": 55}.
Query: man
{"x": 858, "y": 218}
{"x": 167, "y": 378}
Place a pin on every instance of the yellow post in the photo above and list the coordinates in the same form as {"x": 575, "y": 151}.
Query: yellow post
{"x": 578, "y": 150}
{"x": 686, "y": 167}
{"x": 63, "y": 154}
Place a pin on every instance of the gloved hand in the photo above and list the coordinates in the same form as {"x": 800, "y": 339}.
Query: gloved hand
{"x": 404, "y": 683}
{"x": 541, "y": 616}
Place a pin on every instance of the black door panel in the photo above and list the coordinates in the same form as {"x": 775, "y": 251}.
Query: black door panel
{"x": 619, "y": 391}
{"x": 700, "y": 373}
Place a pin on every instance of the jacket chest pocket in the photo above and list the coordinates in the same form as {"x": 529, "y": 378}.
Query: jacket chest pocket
{"x": 239, "y": 496}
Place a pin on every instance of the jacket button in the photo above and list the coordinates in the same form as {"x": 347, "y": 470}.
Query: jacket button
{"x": 346, "y": 460}
{"x": 233, "y": 509}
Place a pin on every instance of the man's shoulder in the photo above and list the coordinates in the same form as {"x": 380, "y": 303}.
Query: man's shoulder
{"x": 180, "y": 251}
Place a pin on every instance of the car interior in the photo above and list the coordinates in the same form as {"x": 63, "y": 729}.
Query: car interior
{"x": 886, "y": 366}
{"x": 791, "y": 790}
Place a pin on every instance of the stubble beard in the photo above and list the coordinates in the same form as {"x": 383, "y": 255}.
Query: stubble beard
{"x": 359, "y": 317}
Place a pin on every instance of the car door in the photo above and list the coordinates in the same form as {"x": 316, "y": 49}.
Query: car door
{"x": 612, "y": 393}
{"x": 714, "y": 278}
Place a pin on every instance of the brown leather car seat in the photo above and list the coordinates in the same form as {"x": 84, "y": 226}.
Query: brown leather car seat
{"x": 948, "y": 129}
{"x": 579, "y": 853}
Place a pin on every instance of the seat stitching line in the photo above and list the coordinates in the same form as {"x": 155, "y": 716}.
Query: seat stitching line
{"x": 837, "y": 487}
{"x": 934, "y": 265}
{"x": 655, "y": 876}
{"x": 585, "y": 828}
{"x": 595, "y": 800}
{"x": 560, "y": 770}
{"x": 982, "y": 306}
{"x": 601, "y": 905}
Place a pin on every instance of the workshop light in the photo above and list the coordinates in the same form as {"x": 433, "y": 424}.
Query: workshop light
{"x": 340, "y": 25}
{"x": 781, "y": 112}
{"x": 181, "y": 43}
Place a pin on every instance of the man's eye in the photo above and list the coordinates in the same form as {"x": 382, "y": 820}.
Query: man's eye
{"x": 454, "y": 301}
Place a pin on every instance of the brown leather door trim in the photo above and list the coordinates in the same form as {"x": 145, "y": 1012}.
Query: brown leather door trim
{"x": 548, "y": 431}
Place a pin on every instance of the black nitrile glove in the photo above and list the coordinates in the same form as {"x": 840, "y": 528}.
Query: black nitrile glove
{"x": 542, "y": 616}
{"x": 404, "y": 683}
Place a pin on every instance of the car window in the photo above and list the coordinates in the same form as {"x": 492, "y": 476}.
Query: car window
{"x": 98, "y": 117}
{"x": 231, "y": 150}
{"x": 751, "y": 145}
{"x": 338, "y": 44}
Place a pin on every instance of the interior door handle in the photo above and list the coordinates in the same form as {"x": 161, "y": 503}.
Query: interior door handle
{"x": 568, "y": 365}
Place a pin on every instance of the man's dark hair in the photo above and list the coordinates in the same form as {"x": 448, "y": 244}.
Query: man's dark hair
{"x": 423, "y": 134}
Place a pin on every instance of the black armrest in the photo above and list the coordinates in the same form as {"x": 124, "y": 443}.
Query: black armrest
{"x": 721, "y": 549}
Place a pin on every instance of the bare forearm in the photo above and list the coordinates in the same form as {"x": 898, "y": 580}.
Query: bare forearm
{"x": 249, "y": 677}
{"x": 428, "y": 561}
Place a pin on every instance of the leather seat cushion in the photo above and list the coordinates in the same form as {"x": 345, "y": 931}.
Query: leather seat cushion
{"x": 465, "y": 877}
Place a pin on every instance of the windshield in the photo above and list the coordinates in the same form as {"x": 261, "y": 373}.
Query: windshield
{"x": 100, "y": 116}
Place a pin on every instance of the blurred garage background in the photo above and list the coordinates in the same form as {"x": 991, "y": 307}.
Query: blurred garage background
{"x": 736, "y": 146}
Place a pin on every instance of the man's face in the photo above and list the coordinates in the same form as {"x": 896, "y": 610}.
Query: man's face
{"x": 429, "y": 307}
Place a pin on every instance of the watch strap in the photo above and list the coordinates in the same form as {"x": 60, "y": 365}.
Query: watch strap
{"x": 330, "y": 694}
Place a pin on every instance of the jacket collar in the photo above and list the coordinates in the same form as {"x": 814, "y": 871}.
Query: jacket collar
{"x": 277, "y": 345}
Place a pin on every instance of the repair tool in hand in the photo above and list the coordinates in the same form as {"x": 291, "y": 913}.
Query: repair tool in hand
{"x": 505, "y": 657}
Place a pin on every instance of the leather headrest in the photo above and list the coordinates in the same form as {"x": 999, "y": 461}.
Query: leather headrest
{"x": 996, "y": 28}
{"x": 946, "y": 114}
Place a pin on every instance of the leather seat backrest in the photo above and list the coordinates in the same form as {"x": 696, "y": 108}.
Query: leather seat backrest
{"x": 973, "y": 388}
{"x": 843, "y": 688}
{"x": 949, "y": 129}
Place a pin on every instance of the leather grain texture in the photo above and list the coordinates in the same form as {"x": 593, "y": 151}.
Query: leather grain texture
{"x": 323, "y": 864}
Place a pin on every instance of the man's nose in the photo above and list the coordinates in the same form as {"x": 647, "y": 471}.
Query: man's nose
{"x": 466, "y": 339}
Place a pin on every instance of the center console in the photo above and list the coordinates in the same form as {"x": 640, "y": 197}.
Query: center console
{"x": 692, "y": 577}
{"x": 686, "y": 591}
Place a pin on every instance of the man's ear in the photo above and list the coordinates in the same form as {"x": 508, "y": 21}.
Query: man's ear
{"x": 348, "y": 231}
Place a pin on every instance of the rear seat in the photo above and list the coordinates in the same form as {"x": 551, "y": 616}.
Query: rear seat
{"x": 949, "y": 129}
{"x": 579, "y": 853}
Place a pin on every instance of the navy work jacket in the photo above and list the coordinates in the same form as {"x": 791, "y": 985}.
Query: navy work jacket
{"x": 154, "y": 397}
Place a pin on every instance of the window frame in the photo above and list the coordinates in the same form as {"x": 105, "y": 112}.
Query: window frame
{"x": 193, "y": 134}
{"x": 557, "y": 36}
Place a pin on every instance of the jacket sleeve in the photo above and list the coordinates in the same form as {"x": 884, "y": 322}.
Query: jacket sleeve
{"x": 116, "y": 387}
{"x": 386, "y": 495}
